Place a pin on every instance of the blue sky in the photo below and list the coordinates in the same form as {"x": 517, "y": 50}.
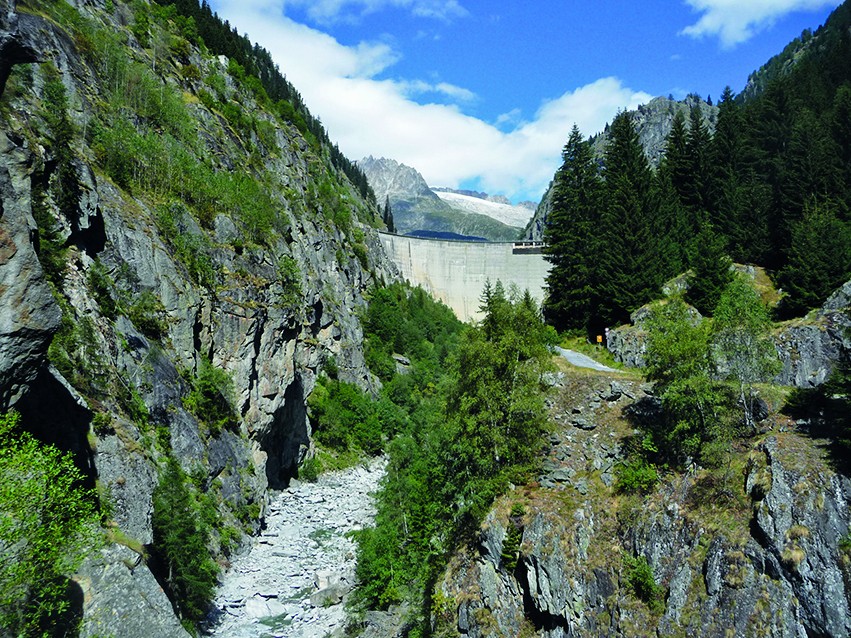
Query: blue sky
{"x": 482, "y": 95}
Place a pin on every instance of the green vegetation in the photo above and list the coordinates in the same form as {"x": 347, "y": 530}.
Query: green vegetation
{"x": 211, "y": 398}
{"x": 48, "y": 523}
{"x": 475, "y": 424}
{"x": 705, "y": 372}
{"x": 513, "y": 537}
{"x": 181, "y": 538}
{"x": 769, "y": 186}
{"x": 639, "y": 578}
{"x": 636, "y": 475}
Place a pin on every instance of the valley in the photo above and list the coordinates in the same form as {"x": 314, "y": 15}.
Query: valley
{"x": 252, "y": 388}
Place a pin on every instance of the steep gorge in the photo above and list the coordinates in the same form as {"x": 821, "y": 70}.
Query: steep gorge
{"x": 163, "y": 262}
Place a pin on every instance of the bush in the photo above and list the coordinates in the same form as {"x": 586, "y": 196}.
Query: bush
{"x": 639, "y": 578}
{"x": 310, "y": 469}
{"x": 211, "y": 398}
{"x": 636, "y": 475}
{"x": 48, "y": 523}
{"x": 146, "y": 313}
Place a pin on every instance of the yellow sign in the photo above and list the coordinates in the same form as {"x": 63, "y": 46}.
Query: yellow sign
{"x": 599, "y": 338}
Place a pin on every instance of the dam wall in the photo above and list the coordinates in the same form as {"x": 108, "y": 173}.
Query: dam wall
{"x": 455, "y": 272}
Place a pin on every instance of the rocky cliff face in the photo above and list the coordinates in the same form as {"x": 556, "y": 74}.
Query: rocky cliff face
{"x": 809, "y": 349}
{"x": 653, "y": 123}
{"x": 760, "y": 552}
{"x": 99, "y": 354}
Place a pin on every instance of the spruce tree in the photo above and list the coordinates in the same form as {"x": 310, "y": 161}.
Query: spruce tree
{"x": 634, "y": 254}
{"x": 819, "y": 259}
{"x": 570, "y": 237}
{"x": 387, "y": 216}
{"x": 711, "y": 270}
{"x": 697, "y": 189}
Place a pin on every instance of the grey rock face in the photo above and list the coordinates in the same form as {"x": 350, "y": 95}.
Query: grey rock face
{"x": 127, "y": 408}
{"x": 809, "y": 351}
{"x": 28, "y": 313}
{"x": 122, "y": 597}
{"x": 782, "y": 573}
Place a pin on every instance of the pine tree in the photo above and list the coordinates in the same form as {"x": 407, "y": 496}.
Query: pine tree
{"x": 570, "y": 239}
{"x": 387, "y": 216}
{"x": 675, "y": 165}
{"x": 697, "y": 190}
{"x": 711, "y": 270}
{"x": 819, "y": 259}
{"x": 634, "y": 253}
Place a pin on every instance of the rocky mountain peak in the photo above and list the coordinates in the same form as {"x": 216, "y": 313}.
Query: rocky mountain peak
{"x": 389, "y": 178}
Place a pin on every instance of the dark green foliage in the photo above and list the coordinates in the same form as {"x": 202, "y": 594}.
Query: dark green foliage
{"x": 49, "y": 246}
{"x": 513, "y": 538}
{"x": 711, "y": 270}
{"x": 103, "y": 290}
{"x": 636, "y": 254}
{"x": 289, "y": 275}
{"x": 148, "y": 315}
{"x": 309, "y": 470}
{"x": 636, "y": 475}
{"x": 639, "y": 578}
{"x": 454, "y": 458}
{"x": 48, "y": 523}
{"x": 181, "y": 539}
{"x": 387, "y": 216}
{"x": 777, "y": 155}
{"x": 344, "y": 417}
{"x": 819, "y": 259}
{"x": 66, "y": 187}
{"x": 211, "y": 398}
{"x": 570, "y": 238}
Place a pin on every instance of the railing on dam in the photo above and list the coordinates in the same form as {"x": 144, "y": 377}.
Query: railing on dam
{"x": 455, "y": 271}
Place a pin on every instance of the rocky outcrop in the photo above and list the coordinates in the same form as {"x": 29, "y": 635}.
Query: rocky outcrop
{"x": 809, "y": 349}
{"x": 29, "y": 315}
{"x": 18, "y": 41}
{"x": 768, "y": 560}
{"x": 120, "y": 594}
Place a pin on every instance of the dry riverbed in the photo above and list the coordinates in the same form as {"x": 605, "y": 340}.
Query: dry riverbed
{"x": 294, "y": 580}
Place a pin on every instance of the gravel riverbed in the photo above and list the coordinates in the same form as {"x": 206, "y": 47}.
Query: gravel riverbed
{"x": 294, "y": 580}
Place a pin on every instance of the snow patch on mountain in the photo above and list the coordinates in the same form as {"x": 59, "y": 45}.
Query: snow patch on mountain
{"x": 517, "y": 216}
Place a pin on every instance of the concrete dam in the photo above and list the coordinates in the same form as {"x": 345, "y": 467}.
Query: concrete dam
{"x": 455, "y": 272}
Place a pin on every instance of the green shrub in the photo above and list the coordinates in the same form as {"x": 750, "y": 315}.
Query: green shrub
{"x": 513, "y": 537}
{"x": 48, "y": 524}
{"x": 102, "y": 289}
{"x": 147, "y": 314}
{"x": 181, "y": 538}
{"x": 289, "y": 276}
{"x": 211, "y": 398}
{"x": 636, "y": 475}
{"x": 310, "y": 469}
{"x": 639, "y": 578}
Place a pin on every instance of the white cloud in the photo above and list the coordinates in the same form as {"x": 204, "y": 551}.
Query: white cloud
{"x": 735, "y": 21}
{"x": 326, "y": 11}
{"x": 367, "y": 115}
